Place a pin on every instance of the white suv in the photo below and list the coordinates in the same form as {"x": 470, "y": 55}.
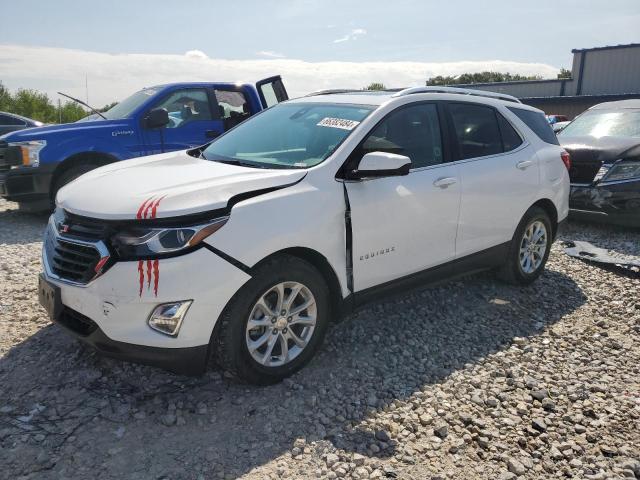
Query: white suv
{"x": 245, "y": 249}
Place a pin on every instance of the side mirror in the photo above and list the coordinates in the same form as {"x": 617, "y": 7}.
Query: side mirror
{"x": 156, "y": 118}
{"x": 381, "y": 164}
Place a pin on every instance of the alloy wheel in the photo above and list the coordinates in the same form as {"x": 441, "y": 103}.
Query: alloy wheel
{"x": 281, "y": 324}
{"x": 533, "y": 247}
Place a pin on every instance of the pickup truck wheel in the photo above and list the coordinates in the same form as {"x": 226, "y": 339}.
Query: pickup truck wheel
{"x": 69, "y": 175}
{"x": 529, "y": 248}
{"x": 275, "y": 323}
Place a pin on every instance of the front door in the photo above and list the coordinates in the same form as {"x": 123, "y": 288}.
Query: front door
{"x": 271, "y": 91}
{"x": 192, "y": 121}
{"x": 403, "y": 225}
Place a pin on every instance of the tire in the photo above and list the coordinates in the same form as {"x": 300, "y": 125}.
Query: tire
{"x": 516, "y": 270}
{"x": 69, "y": 175}
{"x": 230, "y": 345}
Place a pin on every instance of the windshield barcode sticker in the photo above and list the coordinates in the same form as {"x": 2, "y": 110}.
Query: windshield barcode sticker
{"x": 338, "y": 123}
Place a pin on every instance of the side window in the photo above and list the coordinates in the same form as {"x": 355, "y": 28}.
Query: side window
{"x": 510, "y": 138}
{"x": 476, "y": 128}
{"x": 186, "y": 106}
{"x": 233, "y": 107}
{"x": 537, "y": 122}
{"x": 412, "y": 131}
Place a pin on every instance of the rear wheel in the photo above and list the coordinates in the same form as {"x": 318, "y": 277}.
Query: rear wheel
{"x": 275, "y": 323}
{"x": 529, "y": 248}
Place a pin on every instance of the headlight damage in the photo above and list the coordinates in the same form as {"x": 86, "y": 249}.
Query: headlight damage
{"x": 136, "y": 243}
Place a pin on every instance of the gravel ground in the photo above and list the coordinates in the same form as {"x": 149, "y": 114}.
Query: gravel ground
{"x": 469, "y": 380}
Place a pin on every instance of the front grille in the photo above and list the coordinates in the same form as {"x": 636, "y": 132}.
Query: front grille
{"x": 74, "y": 250}
{"x": 85, "y": 229}
{"x": 584, "y": 165}
{"x": 76, "y": 322}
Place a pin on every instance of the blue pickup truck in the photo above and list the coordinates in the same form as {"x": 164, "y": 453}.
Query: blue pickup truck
{"x": 36, "y": 162}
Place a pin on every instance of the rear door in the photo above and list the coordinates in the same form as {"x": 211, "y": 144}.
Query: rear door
{"x": 403, "y": 225}
{"x": 271, "y": 91}
{"x": 193, "y": 120}
{"x": 499, "y": 173}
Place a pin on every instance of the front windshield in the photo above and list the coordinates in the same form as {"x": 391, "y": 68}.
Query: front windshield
{"x": 603, "y": 123}
{"x": 127, "y": 106}
{"x": 290, "y": 135}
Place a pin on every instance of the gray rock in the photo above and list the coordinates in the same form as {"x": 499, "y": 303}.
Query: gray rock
{"x": 516, "y": 467}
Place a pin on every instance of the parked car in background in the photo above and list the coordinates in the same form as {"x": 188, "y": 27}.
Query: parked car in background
{"x": 10, "y": 122}
{"x": 248, "y": 247}
{"x": 604, "y": 144}
{"x": 36, "y": 163}
{"x": 552, "y": 119}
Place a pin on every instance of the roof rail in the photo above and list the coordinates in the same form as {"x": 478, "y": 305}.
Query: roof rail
{"x": 332, "y": 91}
{"x": 459, "y": 91}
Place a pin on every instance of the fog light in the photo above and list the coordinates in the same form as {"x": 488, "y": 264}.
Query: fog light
{"x": 167, "y": 318}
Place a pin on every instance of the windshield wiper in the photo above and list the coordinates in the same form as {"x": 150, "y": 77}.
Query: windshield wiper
{"x": 82, "y": 103}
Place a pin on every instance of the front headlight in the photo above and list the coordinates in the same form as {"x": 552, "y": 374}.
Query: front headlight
{"x": 137, "y": 243}
{"x": 30, "y": 151}
{"x": 623, "y": 170}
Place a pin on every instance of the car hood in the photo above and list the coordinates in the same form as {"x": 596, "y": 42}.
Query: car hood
{"x": 79, "y": 128}
{"x": 167, "y": 185}
{"x": 603, "y": 149}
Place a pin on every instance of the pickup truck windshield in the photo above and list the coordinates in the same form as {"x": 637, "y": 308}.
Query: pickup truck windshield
{"x": 292, "y": 135}
{"x": 126, "y": 107}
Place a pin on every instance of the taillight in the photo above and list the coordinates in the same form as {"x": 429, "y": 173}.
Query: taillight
{"x": 566, "y": 159}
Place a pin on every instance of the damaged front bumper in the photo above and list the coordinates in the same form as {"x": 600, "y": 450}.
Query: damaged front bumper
{"x": 607, "y": 202}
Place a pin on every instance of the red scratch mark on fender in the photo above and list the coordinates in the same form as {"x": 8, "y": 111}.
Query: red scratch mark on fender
{"x": 148, "y": 209}
{"x": 148, "y": 274}
{"x": 142, "y": 207}
{"x": 155, "y": 206}
{"x": 141, "y": 275}
{"x": 156, "y": 272}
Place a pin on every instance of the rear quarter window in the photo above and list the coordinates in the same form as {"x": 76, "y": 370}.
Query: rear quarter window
{"x": 537, "y": 122}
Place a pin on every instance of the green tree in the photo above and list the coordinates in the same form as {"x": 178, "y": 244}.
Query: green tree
{"x": 33, "y": 104}
{"x": 109, "y": 106}
{"x": 71, "y": 112}
{"x": 564, "y": 73}
{"x": 479, "y": 77}
{"x": 5, "y": 98}
{"x": 375, "y": 86}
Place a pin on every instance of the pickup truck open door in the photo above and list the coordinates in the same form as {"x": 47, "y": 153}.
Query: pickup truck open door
{"x": 271, "y": 91}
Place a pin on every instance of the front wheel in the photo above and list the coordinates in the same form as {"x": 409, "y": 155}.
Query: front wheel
{"x": 529, "y": 249}
{"x": 276, "y": 322}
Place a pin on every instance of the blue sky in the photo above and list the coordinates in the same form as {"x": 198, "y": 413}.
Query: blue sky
{"x": 120, "y": 46}
{"x": 432, "y": 31}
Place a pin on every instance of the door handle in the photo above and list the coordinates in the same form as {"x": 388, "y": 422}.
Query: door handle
{"x": 211, "y": 133}
{"x": 444, "y": 182}
{"x": 524, "y": 164}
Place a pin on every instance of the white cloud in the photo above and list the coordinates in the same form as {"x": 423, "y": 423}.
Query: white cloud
{"x": 353, "y": 35}
{"x": 113, "y": 77}
{"x": 270, "y": 54}
{"x": 196, "y": 54}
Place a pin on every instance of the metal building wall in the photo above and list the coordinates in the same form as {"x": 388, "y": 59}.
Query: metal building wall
{"x": 611, "y": 71}
{"x": 595, "y": 71}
